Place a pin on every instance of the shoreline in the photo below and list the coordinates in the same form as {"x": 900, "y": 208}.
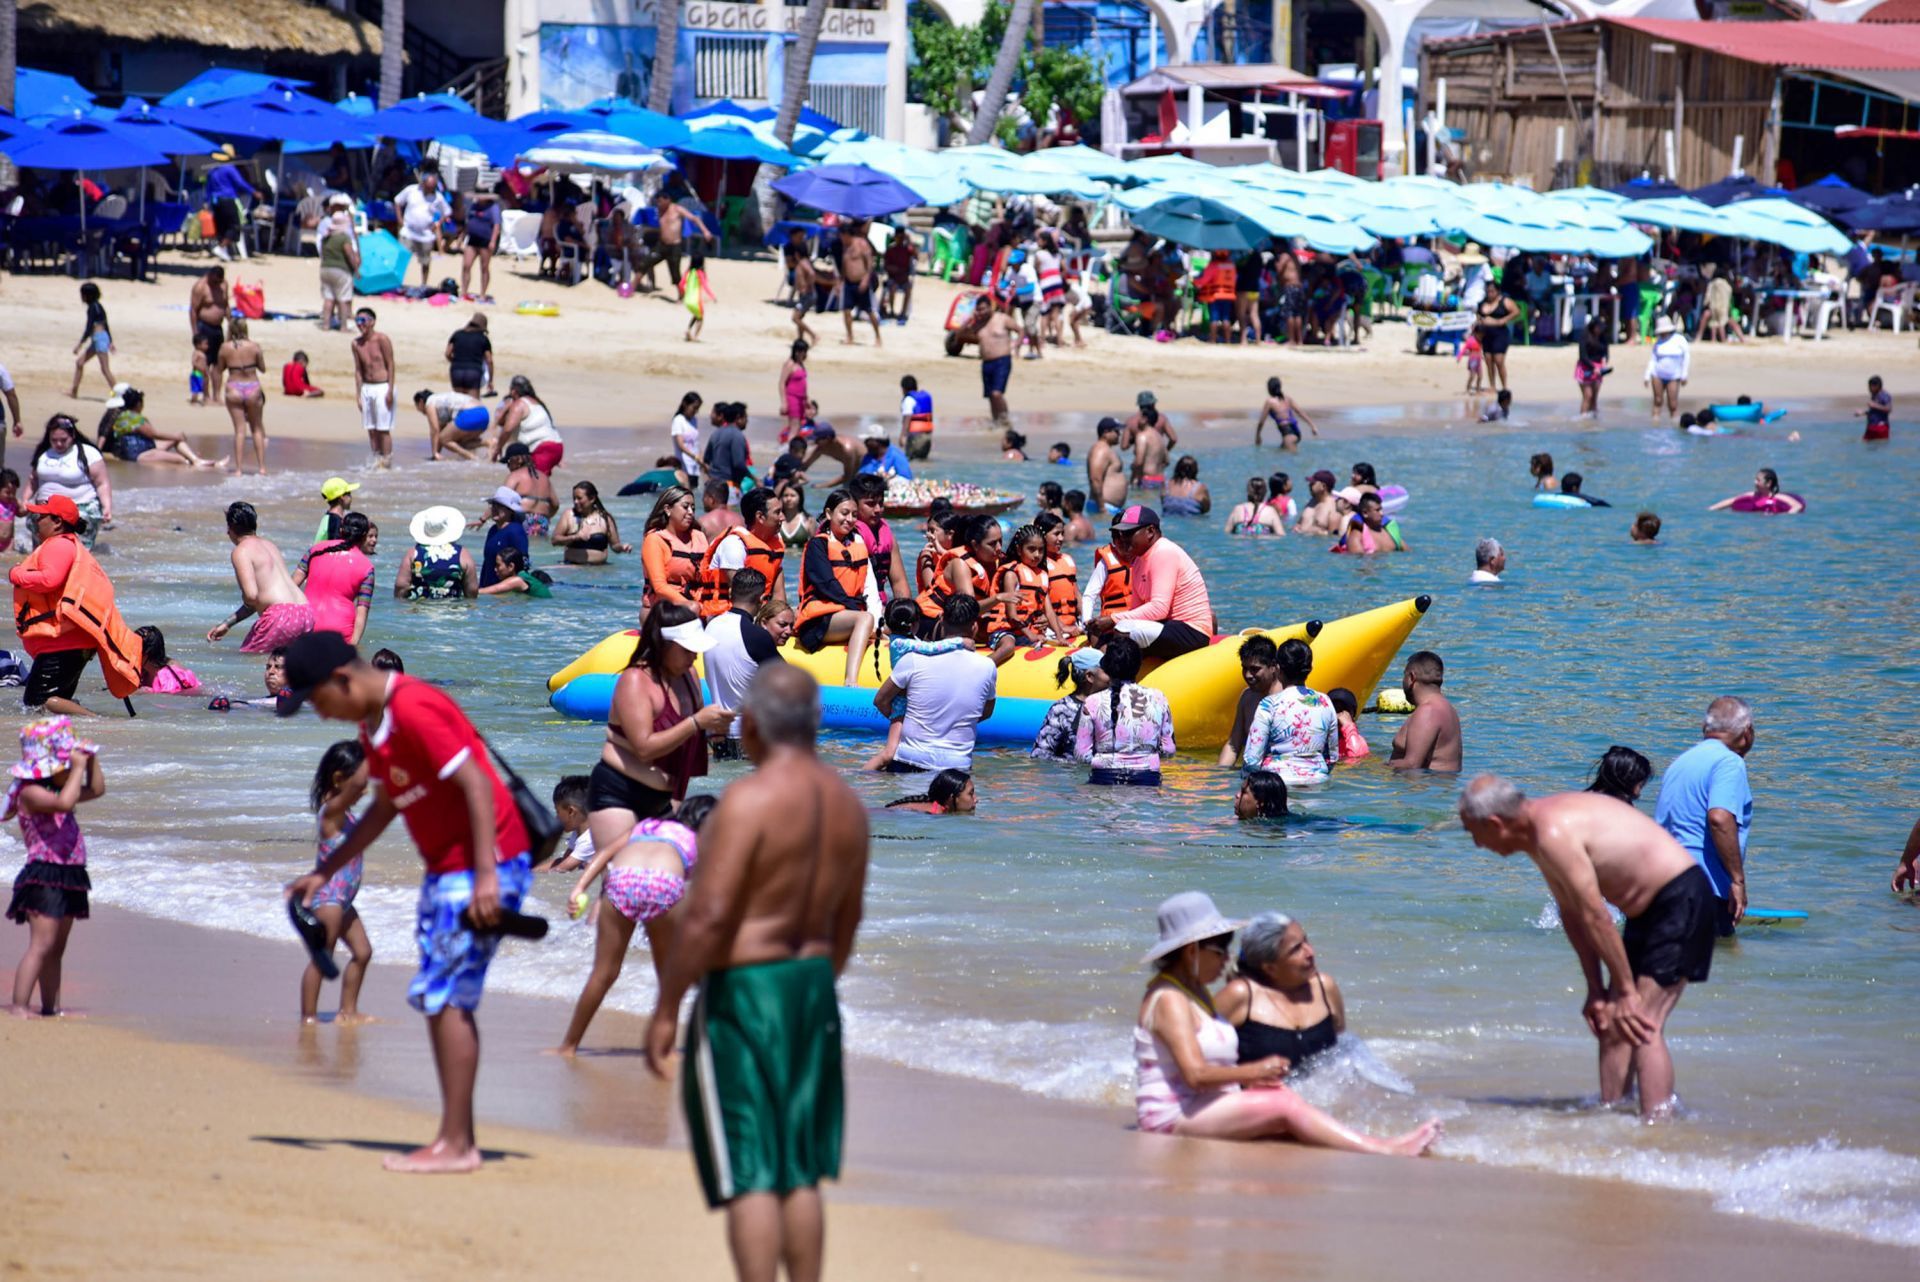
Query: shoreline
{"x": 934, "y": 1162}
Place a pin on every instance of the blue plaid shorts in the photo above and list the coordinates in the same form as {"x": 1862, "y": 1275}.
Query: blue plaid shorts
{"x": 454, "y": 960}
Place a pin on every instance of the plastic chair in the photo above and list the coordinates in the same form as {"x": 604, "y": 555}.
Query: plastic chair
{"x": 733, "y": 217}
{"x": 519, "y": 233}
{"x": 950, "y": 251}
{"x": 1896, "y": 307}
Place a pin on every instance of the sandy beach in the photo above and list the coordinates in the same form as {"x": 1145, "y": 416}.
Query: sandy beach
{"x": 612, "y": 362}
{"x": 195, "y": 1118}
{"x": 191, "y": 1127}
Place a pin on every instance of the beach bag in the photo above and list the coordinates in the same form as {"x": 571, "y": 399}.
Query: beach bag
{"x": 250, "y": 300}
{"x": 543, "y": 829}
{"x": 207, "y": 227}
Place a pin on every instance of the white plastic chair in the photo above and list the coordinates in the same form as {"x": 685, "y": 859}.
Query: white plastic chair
{"x": 1897, "y": 307}
{"x": 519, "y": 233}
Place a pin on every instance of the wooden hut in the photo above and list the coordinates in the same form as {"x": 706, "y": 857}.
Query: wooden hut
{"x": 1602, "y": 101}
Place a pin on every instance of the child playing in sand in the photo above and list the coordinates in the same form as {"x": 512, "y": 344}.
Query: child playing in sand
{"x": 293, "y": 377}
{"x": 338, "y": 785}
{"x": 1500, "y": 410}
{"x": 1470, "y": 352}
{"x": 159, "y": 674}
{"x": 95, "y": 341}
{"x": 646, "y": 878}
{"x": 1353, "y": 745}
{"x": 570, "y": 808}
{"x": 56, "y": 772}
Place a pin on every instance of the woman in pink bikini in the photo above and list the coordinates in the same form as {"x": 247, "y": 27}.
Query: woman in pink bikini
{"x": 792, "y": 389}
{"x": 241, "y": 361}
{"x": 646, "y": 877}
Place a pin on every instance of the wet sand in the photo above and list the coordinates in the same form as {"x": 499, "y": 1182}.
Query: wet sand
{"x": 195, "y": 1118}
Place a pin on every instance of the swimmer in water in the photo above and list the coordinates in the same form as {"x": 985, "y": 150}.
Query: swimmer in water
{"x": 1878, "y": 411}
{"x": 1764, "y": 497}
{"x": 1430, "y": 740}
{"x": 1263, "y": 795}
{"x": 950, "y": 793}
{"x": 1621, "y": 774}
{"x": 1646, "y": 528}
{"x": 1256, "y": 515}
{"x": 1594, "y": 851}
{"x": 1286, "y": 415}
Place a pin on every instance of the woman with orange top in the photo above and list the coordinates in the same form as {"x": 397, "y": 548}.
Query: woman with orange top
{"x": 1216, "y": 287}
{"x": 672, "y": 549}
{"x": 1063, "y": 576}
{"x": 1023, "y": 576}
{"x": 839, "y": 598}
{"x": 976, "y": 572}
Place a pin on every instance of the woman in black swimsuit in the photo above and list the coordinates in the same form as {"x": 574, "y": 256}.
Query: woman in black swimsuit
{"x": 1280, "y": 1001}
{"x": 1492, "y": 321}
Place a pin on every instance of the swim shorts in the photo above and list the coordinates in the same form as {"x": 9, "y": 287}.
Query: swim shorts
{"x": 56, "y": 675}
{"x": 1220, "y": 311}
{"x": 277, "y": 625}
{"x": 453, "y": 959}
{"x": 762, "y": 1085}
{"x": 375, "y": 414}
{"x": 857, "y": 299}
{"x": 1673, "y": 939}
{"x": 919, "y": 445}
{"x": 610, "y": 789}
{"x": 547, "y": 456}
{"x": 994, "y": 375}
{"x": 212, "y": 336}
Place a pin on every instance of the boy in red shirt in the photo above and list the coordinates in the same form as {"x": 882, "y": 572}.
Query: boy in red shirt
{"x": 293, "y": 378}
{"x": 430, "y": 767}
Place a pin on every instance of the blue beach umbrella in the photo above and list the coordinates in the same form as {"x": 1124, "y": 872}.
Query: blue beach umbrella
{"x": 592, "y": 151}
{"x": 1831, "y": 195}
{"x": 383, "y": 264}
{"x": 220, "y": 84}
{"x": 42, "y": 93}
{"x": 81, "y": 143}
{"x": 1646, "y": 187}
{"x": 1783, "y": 223}
{"x": 1084, "y": 160}
{"x": 1899, "y": 213}
{"x": 1682, "y": 213}
{"x": 285, "y": 116}
{"x": 734, "y": 144}
{"x": 1201, "y": 222}
{"x": 1733, "y": 190}
{"x": 931, "y": 173}
{"x": 853, "y": 191}
{"x": 139, "y": 119}
{"x": 629, "y": 119}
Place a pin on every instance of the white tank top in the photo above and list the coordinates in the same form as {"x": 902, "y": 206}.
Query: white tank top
{"x": 66, "y": 474}
{"x": 1161, "y": 1097}
{"x": 536, "y": 426}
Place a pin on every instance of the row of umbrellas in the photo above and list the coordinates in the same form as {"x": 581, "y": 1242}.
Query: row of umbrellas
{"x": 1832, "y": 196}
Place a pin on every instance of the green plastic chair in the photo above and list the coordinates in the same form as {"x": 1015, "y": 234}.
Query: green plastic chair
{"x": 950, "y": 251}
{"x": 1650, "y": 299}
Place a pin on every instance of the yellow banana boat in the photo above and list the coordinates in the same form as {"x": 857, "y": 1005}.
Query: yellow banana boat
{"x": 1202, "y": 688}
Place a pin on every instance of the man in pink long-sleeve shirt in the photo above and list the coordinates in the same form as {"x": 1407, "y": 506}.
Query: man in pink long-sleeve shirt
{"x": 1170, "y": 613}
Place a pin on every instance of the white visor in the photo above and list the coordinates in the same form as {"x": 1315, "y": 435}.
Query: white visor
{"x": 688, "y": 636}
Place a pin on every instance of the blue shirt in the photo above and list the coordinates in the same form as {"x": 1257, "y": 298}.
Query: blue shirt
{"x": 892, "y": 463}
{"x": 499, "y": 538}
{"x": 1707, "y": 776}
{"x": 225, "y": 183}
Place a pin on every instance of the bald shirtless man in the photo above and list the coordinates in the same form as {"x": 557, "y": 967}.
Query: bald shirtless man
{"x": 857, "y": 262}
{"x": 207, "y": 321}
{"x": 765, "y": 930}
{"x": 1592, "y": 848}
{"x": 1431, "y": 738}
{"x": 1106, "y": 472}
{"x": 266, "y": 588}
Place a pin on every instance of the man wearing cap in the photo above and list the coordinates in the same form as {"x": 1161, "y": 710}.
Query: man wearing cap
{"x": 456, "y": 422}
{"x": 338, "y": 492}
{"x": 430, "y": 767}
{"x": 227, "y": 192}
{"x": 1170, "y": 613}
{"x": 1144, "y": 402}
{"x": 505, "y": 509}
{"x": 1321, "y": 515}
{"x": 883, "y": 456}
{"x": 1670, "y": 367}
{"x": 1106, "y": 475}
{"x": 339, "y": 263}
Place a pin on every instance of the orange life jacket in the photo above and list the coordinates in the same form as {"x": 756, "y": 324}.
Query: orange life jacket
{"x": 714, "y": 591}
{"x": 83, "y": 603}
{"x": 1063, "y": 589}
{"x": 672, "y": 566}
{"x": 933, "y": 598}
{"x": 1114, "y": 592}
{"x": 1031, "y": 613}
{"x": 850, "y": 564}
{"x": 993, "y": 614}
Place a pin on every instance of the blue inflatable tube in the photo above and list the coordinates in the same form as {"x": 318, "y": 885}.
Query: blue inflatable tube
{"x": 1747, "y": 414}
{"x": 1559, "y": 500}
{"x": 846, "y": 709}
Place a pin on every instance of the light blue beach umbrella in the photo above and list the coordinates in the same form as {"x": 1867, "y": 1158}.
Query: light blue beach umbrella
{"x": 1087, "y": 162}
{"x": 593, "y": 151}
{"x": 931, "y": 173}
{"x": 1682, "y": 213}
{"x": 1200, "y": 222}
{"x": 731, "y": 143}
{"x": 383, "y": 264}
{"x": 1781, "y": 222}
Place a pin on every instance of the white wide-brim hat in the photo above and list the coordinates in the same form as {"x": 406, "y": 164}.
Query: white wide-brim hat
{"x": 441, "y": 524}
{"x": 1188, "y": 918}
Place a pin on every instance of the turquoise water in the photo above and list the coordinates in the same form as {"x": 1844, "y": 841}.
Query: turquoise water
{"x": 1005, "y": 946}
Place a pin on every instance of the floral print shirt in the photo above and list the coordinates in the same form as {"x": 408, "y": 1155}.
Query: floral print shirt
{"x": 1296, "y": 735}
{"x": 1134, "y": 738}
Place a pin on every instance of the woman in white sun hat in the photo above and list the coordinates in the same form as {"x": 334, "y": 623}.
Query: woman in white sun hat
{"x": 1187, "y": 1078}
{"x": 1669, "y": 367}
{"x": 438, "y": 568}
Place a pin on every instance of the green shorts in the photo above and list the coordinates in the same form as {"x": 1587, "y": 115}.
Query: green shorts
{"x": 762, "y": 1084}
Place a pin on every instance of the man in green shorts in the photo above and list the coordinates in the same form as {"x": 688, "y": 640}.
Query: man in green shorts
{"x": 767, "y": 927}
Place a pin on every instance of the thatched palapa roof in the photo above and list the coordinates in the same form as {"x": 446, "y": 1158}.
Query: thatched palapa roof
{"x": 280, "y": 25}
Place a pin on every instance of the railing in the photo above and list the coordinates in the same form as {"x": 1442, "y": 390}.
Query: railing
{"x": 483, "y": 87}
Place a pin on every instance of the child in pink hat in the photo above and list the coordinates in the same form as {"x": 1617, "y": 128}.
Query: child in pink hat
{"x": 55, "y": 773}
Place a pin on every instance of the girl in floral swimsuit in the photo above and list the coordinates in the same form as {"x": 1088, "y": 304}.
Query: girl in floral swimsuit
{"x": 646, "y": 878}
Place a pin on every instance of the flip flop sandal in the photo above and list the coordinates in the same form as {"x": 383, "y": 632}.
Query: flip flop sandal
{"x": 314, "y": 936}
{"x": 516, "y": 924}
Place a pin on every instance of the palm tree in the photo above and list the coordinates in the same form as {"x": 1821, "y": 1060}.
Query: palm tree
{"x": 1012, "y": 45}
{"x": 393, "y": 47}
{"x": 793, "y": 95}
{"x": 9, "y": 52}
{"x": 666, "y": 44}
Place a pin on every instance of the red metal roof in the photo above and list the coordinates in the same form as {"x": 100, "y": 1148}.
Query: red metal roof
{"x": 1817, "y": 46}
{"x": 1894, "y": 11}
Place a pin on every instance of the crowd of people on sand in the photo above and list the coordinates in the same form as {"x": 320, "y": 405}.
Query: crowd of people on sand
{"x": 770, "y": 920}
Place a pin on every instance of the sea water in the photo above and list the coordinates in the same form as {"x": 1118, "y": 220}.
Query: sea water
{"x": 1006, "y": 946}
